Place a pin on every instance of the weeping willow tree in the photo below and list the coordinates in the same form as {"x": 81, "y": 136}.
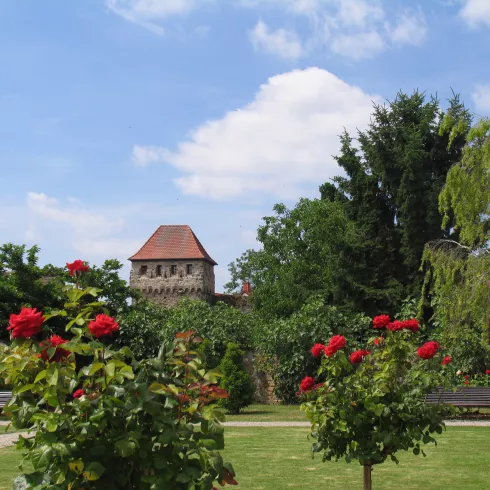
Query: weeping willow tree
{"x": 457, "y": 282}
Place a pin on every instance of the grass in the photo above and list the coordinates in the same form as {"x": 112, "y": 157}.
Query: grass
{"x": 279, "y": 458}
{"x": 268, "y": 413}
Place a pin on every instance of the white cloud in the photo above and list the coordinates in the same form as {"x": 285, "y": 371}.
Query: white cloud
{"x": 145, "y": 155}
{"x": 476, "y": 13}
{"x": 278, "y": 144}
{"x": 358, "y": 46}
{"x": 355, "y": 29}
{"x": 282, "y": 42}
{"x": 481, "y": 97}
{"x": 148, "y": 13}
{"x": 410, "y": 29}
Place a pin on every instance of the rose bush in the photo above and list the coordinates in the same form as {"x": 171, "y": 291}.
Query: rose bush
{"x": 367, "y": 405}
{"x": 100, "y": 419}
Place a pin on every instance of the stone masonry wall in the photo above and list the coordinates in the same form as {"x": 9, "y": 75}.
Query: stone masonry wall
{"x": 158, "y": 284}
{"x": 262, "y": 381}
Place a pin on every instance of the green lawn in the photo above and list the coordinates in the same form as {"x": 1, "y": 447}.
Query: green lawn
{"x": 279, "y": 458}
{"x": 268, "y": 413}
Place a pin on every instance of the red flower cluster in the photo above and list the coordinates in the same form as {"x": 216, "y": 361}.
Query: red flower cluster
{"x": 447, "y": 360}
{"x": 412, "y": 325}
{"x": 336, "y": 343}
{"x": 79, "y": 394}
{"x": 428, "y": 350}
{"x": 103, "y": 325}
{"x": 26, "y": 324}
{"x": 317, "y": 349}
{"x": 357, "y": 356}
{"x": 381, "y": 321}
{"x": 395, "y": 326}
{"x": 378, "y": 341}
{"x": 76, "y": 267}
{"x": 307, "y": 384}
{"x": 59, "y": 354}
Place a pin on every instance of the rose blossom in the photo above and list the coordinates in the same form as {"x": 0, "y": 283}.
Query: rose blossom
{"x": 466, "y": 377}
{"x": 412, "y": 324}
{"x": 381, "y": 321}
{"x": 317, "y": 349}
{"x": 447, "y": 360}
{"x": 307, "y": 384}
{"x": 103, "y": 325}
{"x": 357, "y": 356}
{"x": 428, "y": 350}
{"x": 378, "y": 340}
{"x": 395, "y": 326}
{"x": 79, "y": 393}
{"x": 26, "y": 324}
{"x": 59, "y": 354}
{"x": 336, "y": 343}
{"x": 459, "y": 372}
{"x": 487, "y": 372}
{"x": 76, "y": 267}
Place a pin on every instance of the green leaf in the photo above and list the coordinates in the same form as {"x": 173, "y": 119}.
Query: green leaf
{"x": 41, "y": 375}
{"x": 94, "y": 471}
{"x": 92, "y": 368}
{"x": 125, "y": 448}
{"x": 41, "y": 457}
{"x": 52, "y": 375}
{"x": 24, "y": 388}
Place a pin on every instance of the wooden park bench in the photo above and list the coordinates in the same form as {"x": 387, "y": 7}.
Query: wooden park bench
{"x": 466, "y": 397}
{"x": 5, "y": 396}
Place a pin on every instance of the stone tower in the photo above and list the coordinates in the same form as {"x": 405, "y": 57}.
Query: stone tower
{"x": 171, "y": 265}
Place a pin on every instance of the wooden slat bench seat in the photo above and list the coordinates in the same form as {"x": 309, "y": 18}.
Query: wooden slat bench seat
{"x": 470, "y": 397}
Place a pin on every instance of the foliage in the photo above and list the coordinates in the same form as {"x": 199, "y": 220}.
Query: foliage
{"x": 235, "y": 380}
{"x": 285, "y": 344}
{"x": 361, "y": 245}
{"x": 368, "y": 410}
{"x": 103, "y": 423}
{"x": 301, "y": 256}
{"x": 457, "y": 278}
{"x": 146, "y": 325}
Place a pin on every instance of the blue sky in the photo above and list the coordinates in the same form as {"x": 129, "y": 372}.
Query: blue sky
{"x": 117, "y": 116}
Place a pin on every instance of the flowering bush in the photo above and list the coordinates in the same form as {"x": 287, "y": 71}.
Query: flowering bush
{"x": 369, "y": 404}
{"x": 102, "y": 420}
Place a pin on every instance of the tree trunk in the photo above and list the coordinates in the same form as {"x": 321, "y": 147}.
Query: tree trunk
{"x": 367, "y": 477}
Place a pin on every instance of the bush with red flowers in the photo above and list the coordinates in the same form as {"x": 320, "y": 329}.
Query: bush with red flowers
{"x": 367, "y": 405}
{"x": 101, "y": 419}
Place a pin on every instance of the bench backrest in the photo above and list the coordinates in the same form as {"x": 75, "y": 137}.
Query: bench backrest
{"x": 5, "y": 396}
{"x": 478, "y": 396}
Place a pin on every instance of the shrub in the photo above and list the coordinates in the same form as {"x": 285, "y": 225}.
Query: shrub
{"x": 235, "y": 381}
{"x": 369, "y": 404}
{"x": 101, "y": 419}
{"x": 284, "y": 344}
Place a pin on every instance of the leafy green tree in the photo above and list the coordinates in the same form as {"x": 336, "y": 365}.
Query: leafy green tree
{"x": 235, "y": 380}
{"x": 24, "y": 283}
{"x": 302, "y": 254}
{"x": 458, "y": 272}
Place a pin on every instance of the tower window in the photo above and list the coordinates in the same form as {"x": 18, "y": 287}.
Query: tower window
{"x": 173, "y": 270}
{"x": 159, "y": 270}
{"x": 143, "y": 270}
{"x": 190, "y": 270}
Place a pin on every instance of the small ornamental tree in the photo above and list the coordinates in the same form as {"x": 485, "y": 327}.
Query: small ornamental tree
{"x": 369, "y": 404}
{"x": 102, "y": 420}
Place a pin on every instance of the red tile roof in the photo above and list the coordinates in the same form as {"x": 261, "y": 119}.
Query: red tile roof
{"x": 173, "y": 242}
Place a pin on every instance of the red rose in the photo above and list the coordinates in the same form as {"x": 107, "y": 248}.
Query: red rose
{"x": 467, "y": 377}
{"x": 466, "y": 382}
{"x": 317, "y": 349}
{"x": 412, "y": 325}
{"x": 358, "y": 355}
{"x": 395, "y": 326}
{"x": 103, "y": 325}
{"x": 378, "y": 340}
{"x": 336, "y": 343}
{"x": 381, "y": 321}
{"x": 76, "y": 267}
{"x": 447, "y": 360}
{"x": 79, "y": 394}
{"x": 428, "y": 350}
{"x": 59, "y": 354}
{"x": 307, "y": 384}
{"x": 26, "y": 324}
{"x": 487, "y": 372}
